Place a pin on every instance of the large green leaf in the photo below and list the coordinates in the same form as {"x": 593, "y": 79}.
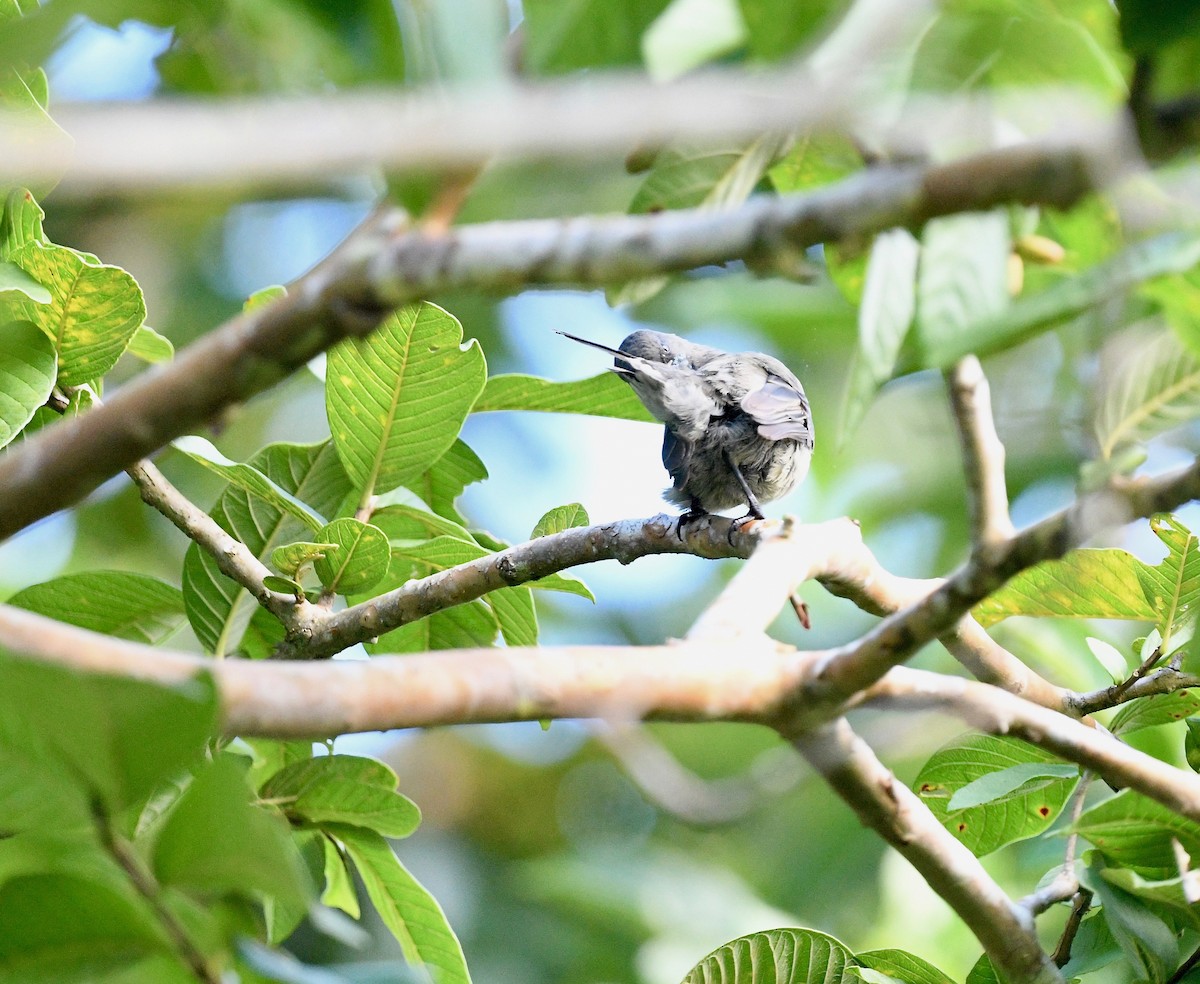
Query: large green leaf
{"x": 20, "y": 222}
{"x": 1083, "y": 584}
{"x": 902, "y": 966}
{"x": 216, "y": 606}
{"x": 1153, "y": 386}
{"x": 443, "y": 482}
{"x": 560, "y": 518}
{"x": 601, "y": 396}
{"x": 407, "y": 909}
{"x": 1022, "y": 812}
{"x": 116, "y": 603}
{"x": 215, "y": 840}
{"x": 1152, "y": 711}
{"x": 885, "y": 314}
{"x": 1134, "y": 831}
{"x": 27, "y": 372}
{"x": 89, "y": 732}
{"x": 1172, "y": 252}
{"x": 343, "y": 789}
{"x": 1148, "y": 943}
{"x": 778, "y": 28}
{"x": 963, "y": 278}
{"x": 93, "y": 314}
{"x": 777, "y": 956}
{"x": 13, "y": 278}
{"x": 397, "y": 399}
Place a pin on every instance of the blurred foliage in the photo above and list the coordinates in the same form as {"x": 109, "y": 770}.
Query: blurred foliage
{"x": 139, "y": 847}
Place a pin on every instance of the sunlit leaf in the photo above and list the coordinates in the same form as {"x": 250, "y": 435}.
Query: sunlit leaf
{"x": 27, "y": 373}
{"x": 289, "y": 558}
{"x": 93, "y": 312}
{"x": 560, "y": 518}
{"x": 13, "y": 278}
{"x": 777, "y": 956}
{"x": 1149, "y": 712}
{"x": 690, "y": 33}
{"x": 1021, "y": 813}
{"x": 1173, "y": 586}
{"x": 1083, "y": 584}
{"x": 1000, "y": 785}
{"x": 20, "y": 222}
{"x": 601, "y": 396}
{"x": 440, "y": 485}
{"x": 397, "y": 398}
{"x": 149, "y": 346}
{"x": 902, "y": 966}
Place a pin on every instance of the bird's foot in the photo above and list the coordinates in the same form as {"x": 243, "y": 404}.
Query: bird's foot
{"x": 745, "y": 524}
{"x": 692, "y": 515}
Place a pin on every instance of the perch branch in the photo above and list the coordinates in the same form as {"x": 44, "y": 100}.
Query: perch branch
{"x": 382, "y": 266}
{"x": 893, "y": 811}
{"x": 982, "y": 451}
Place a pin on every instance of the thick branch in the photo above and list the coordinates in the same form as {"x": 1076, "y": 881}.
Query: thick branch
{"x": 892, "y": 810}
{"x": 982, "y": 452}
{"x": 380, "y": 268}
{"x": 995, "y": 711}
{"x": 857, "y": 665}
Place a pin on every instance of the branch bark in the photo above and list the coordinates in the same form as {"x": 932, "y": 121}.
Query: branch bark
{"x": 382, "y": 267}
{"x": 982, "y": 452}
{"x": 892, "y": 810}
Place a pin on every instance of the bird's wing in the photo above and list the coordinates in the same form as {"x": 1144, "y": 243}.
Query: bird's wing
{"x": 781, "y": 410}
{"x": 676, "y": 457}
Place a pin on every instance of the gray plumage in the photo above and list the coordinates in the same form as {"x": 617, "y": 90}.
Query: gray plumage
{"x": 738, "y": 425}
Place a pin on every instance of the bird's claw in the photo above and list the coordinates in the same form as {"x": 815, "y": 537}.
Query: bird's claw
{"x": 746, "y": 524}
{"x": 688, "y": 517}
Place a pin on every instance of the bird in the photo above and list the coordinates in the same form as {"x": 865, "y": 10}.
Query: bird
{"x": 738, "y": 426}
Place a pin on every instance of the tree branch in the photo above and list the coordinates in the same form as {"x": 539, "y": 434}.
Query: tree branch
{"x": 381, "y": 267}
{"x": 893, "y": 811}
{"x": 982, "y": 452}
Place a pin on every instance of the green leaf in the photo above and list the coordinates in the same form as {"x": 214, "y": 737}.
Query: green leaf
{"x": 339, "y": 890}
{"x": 289, "y": 558}
{"x": 406, "y": 908}
{"x": 215, "y": 840}
{"x": 1134, "y": 831}
{"x": 401, "y": 522}
{"x": 27, "y": 372}
{"x": 1016, "y": 816}
{"x": 514, "y": 610}
{"x": 247, "y": 478}
{"x": 93, "y": 313}
{"x": 397, "y": 399}
{"x": 1149, "y": 712}
{"x": 1110, "y": 657}
{"x": 149, "y": 346}
{"x": 1172, "y": 587}
{"x": 777, "y": 956}
{"x": 1175, "y": 892}
{"x": 691, "y": 33}
{"x": 116, "y": 603}
{"x": 12, "y": 277}
{"x": 1148, "y": 943}
{"x": 1153, "y": 386}
{"x": 902, "y": 966}
{"x": 564, "y": 37}
{"x": 983, "y": 972}
{"x": 58, "y": 928}
{"x": 344, "y": 789}
{"x": 1172, "y": 252}
{"x": 816, "y": 158}
{"x": 1083, "y": 584}
{"x": 885, "y": 315}
{"x": 1191, "y": 744}
{"x": 443, "y": 482}
{"x": 963, "y": 278}
{"x": 560, "y": 518}
{"x": 361, "y": 561}
{"x": 263, "y": 297}
{"x": 999, "y": 786}
{"x": 216, "y": 606}
{"x": 601, "y": 396}
{"x": 90, "y": 730}
{"x": 565, "y": 583}
{"x": 20, "y": 222}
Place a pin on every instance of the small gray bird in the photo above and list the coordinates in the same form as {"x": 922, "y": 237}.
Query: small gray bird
{"x": 738, "y": 425}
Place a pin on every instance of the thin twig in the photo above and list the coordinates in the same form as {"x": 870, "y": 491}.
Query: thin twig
{"x": 1079, "y": 909}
